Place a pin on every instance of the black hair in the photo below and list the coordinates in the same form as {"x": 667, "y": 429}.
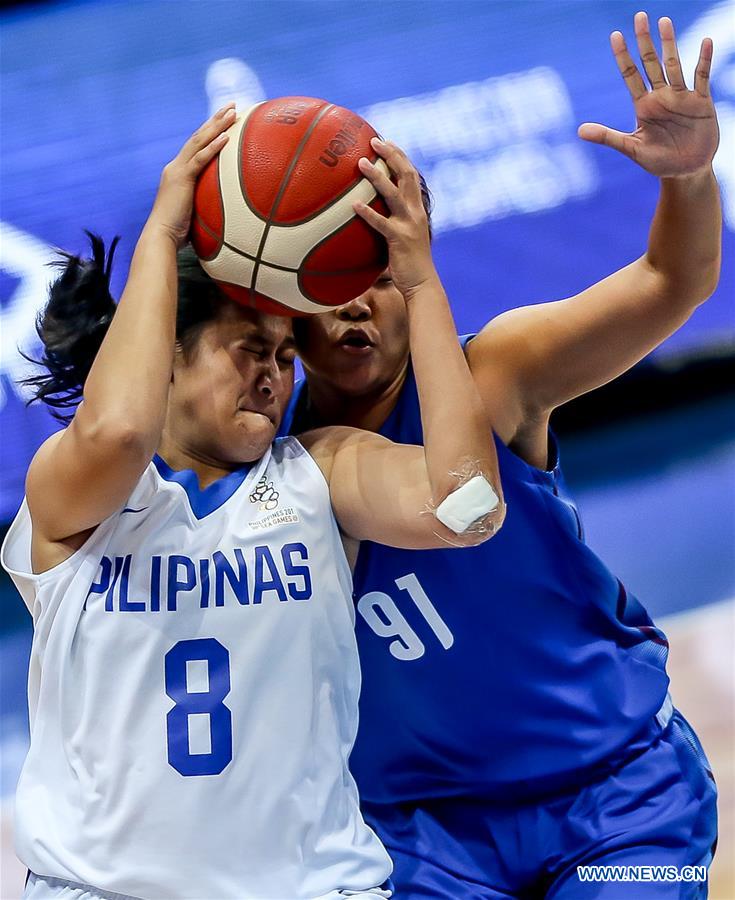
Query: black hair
{"x": 428, "y": 202}
{"x": 79, "y": 311}
{"x": 199, "y": 299}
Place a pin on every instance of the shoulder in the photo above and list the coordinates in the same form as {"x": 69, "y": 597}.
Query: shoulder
{"x": 293, "y": 456}
{"x": 336, "y": 442}
{"x": 332, "y": 438}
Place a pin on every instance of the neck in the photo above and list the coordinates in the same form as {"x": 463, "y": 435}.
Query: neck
{"x": 328, "y": 405}
{"x": 179, "y": 457}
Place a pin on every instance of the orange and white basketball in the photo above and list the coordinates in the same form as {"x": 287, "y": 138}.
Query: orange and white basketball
{"x": 273, "y": 220}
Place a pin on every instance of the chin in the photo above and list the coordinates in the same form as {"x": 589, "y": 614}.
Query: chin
{"x": 259, "y": 433}
{"x": 358, "y": 382}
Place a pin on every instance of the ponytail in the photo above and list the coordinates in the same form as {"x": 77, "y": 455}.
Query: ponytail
{"x": 72, "y": 327}
{"x": 80, "y": 309}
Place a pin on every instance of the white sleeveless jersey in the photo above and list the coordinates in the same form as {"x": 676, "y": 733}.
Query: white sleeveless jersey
{"x": 193, "y": 694}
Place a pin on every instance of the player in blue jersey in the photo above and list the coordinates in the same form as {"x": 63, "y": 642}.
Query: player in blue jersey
{"x": 194, "y": 673}
{"x": 507, "y": 739}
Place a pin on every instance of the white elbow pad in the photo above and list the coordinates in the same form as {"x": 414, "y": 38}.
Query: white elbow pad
{"x": 470, "y": 502}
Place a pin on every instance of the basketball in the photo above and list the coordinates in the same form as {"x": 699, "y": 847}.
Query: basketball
{"x": 273, "y": 222}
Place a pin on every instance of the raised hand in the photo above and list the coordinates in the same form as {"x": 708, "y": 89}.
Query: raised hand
{"x": 173, "y": 204}
{"x": 407, "y": 229}
{"x": 676, "y": 130}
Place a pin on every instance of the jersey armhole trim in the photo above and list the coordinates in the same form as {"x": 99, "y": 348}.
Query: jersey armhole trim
{"x": 312, "y": 463}
{"x": 37, "y": 578}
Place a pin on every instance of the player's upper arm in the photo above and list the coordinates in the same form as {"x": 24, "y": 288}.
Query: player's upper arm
{"x": 81, "y": 475}
{"x": 541, "y": 356}
{"x": 380, "y": 491}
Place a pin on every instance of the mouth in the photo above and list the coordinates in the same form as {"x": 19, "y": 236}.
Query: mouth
{"x": 259, "y": 412}
{"x": 355, "y": 342}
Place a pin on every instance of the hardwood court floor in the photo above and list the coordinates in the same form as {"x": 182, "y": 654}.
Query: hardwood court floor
{"x": 702, "y": 670}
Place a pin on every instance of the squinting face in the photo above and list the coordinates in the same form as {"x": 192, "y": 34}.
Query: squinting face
{"x": 230, "y": 390}
{"x": 361, "y": 346}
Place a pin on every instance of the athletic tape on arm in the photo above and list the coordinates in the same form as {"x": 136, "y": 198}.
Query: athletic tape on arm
{"x": 470, "y": 502}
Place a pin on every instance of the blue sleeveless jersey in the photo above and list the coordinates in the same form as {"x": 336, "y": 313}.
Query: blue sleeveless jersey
{"x": 517, "y": 668}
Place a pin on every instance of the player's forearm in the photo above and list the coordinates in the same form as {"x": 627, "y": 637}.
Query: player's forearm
{"x": 457, "y": 434}
{"x": 127, "y": 387}
{"x": 684, "y": 246}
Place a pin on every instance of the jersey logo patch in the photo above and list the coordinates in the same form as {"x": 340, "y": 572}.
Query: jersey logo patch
{"x": 285, "y": 516}
{"x": 268, "y": 497}
{"x": 265, "y": 494}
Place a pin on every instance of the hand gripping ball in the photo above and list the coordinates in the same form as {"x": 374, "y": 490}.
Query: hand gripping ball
{"x": 273, "y": 222}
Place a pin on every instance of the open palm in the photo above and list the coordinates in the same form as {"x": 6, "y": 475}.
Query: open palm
{"x": 676, "y": 130}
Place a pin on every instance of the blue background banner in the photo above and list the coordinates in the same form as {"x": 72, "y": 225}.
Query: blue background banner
{"x": 485, "y": 97}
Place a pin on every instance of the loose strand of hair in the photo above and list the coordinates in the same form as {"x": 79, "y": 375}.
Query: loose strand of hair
{"x": 72, "y": 326}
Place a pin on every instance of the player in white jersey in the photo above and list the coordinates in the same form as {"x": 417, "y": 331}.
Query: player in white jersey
{"x": 194, "y": 673}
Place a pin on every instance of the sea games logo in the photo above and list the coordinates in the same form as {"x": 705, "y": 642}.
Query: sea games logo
{"x": 267, "y": 496}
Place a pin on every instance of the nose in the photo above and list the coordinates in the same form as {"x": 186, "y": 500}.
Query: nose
{"x": 357, "y": 310}
{"x": 265, "y": 382}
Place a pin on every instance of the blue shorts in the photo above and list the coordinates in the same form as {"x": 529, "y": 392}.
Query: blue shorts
{"x": 657, "y": 809}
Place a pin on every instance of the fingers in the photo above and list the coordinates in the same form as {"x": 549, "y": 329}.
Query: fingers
{"x": 651, "y": 62}
{"x": 199, "y": 145}
{"x": 381, "y": 182}
{"x": 203, "y": 156}
{"x": 704, "y": 64}
{"x": 647, "y": 51}
{"x": 601, "y": 134}
{"x": 374, "y": 219}
{"x": 670, "y": 54}
{"x": 402, "y": 193}
{"x": 400, "y": 165}
{"x": 386, "y": 188}
{"x": 396, "y": 159}
{"x": 627, "y": 67}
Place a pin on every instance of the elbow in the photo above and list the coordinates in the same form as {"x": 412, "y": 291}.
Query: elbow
{"x": 116, "y": 436}
{"x": 471, "y": 514}
{"x": 711, "y": 279}
{"x": 700, "y": 285}
{"x": 691, "y": 287}
{"x": 484, "y": 528}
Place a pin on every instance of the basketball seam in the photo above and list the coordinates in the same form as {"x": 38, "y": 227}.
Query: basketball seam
{"x": 300, "y": 272}
{"x": 219, "y": 238}
{"x": 281, "y": 190}
{"x": 272, "y": 265}
{"x": 331, "y": 203}
{"x": 220, "y": 201}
